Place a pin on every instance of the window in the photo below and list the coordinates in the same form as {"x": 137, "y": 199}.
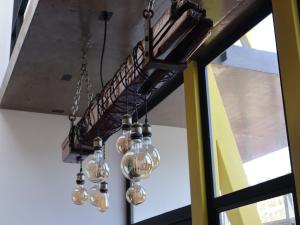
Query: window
{"x": 248, "y": 166}
{"x": 274, "y": 211}
{"x": 247, "y": 117}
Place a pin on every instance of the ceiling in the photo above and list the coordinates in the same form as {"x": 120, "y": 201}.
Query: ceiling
{"x": 51, "y": 49}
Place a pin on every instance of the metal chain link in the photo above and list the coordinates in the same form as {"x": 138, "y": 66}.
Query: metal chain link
{"x": 77, "y": 97}
{"x": 84, "y": 76}
{"x": 150, "y": 5}
{"x": 88, "y": 87}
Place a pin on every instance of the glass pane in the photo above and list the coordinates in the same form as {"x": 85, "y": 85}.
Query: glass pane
{"x": 275, "y": 211}
{"x": 247, "y": 117}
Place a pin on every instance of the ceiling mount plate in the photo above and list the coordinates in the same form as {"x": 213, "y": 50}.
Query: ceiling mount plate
{"x": 105, "y": 15}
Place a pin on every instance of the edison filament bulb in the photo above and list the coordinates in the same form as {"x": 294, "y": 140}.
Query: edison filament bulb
{"x": 137, "y": 163}
{"x": 124, "y": 141}
{"x": 79, "y": 194}
{"x": 136, "y": 194}
{"x": 148, "y": 147}
{"x": 97, "y": 169}
{"x": 98, "y": 196}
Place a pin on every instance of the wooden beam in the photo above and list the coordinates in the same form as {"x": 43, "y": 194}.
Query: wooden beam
{"x": 183, "y": 21}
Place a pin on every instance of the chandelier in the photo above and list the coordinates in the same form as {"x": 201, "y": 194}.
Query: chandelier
{"x": 139, "y": 158}
{"x": 153, "y": 62}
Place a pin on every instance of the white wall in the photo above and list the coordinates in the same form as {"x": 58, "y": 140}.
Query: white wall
{"x": 168, "y": 188}
{"x": 35, "y": 184}
{"x": 6, "y": 11}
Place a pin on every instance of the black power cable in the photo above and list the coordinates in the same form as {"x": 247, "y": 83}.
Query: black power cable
{"x": 103, "y": 50}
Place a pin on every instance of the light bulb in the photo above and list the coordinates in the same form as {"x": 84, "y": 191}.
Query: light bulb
{"x": 98, "y": 196}
{"x": 148, "y": 147}
{"x": 124, "y": 141}
{"x": 79, "y": 194}
{"x": 152, "y": 151}
{"x": 136, "y": 194}
{"x": 137, "y": 163}
{"x": 97, "y": 169}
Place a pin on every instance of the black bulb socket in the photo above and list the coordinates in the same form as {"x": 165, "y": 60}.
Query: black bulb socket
{"x": 97, "y": 143}
{"x": 136, "y": 131}
{"x": 147, "y": 131}
{"x": 104, "y": 187}
{"x": 126, "y": 122}
{"x": 80, "y": 179}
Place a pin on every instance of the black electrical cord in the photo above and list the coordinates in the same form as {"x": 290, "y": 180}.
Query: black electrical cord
{"x": 79, "y": 160}
{"x": 103, "y": 149}
{"x": 136, "y": 105}
{"x": 126, "y": 87}
{"x": 80, "y": 164}
{"x": 103, "y": 51}
{"x": 146, "y": 109}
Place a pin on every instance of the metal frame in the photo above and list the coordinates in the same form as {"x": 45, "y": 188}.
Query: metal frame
{"x": 260, "y": 192}
{"x": 137, "y": 79}
{"x": 213, "y": 217}
{"x": 181, "y": 216}
{"x": 263, "y": 191}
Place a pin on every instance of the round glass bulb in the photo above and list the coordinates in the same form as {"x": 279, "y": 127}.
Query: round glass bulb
{"x": 79, "y": 195}
{"x": 137, "y": 163}
{"x": 99, "y": 199}
{"x": 136, "y": 194}
{"x": 124, "y": 142}
{"x": 152, "y": 151}
{"x": 97, "y": 169}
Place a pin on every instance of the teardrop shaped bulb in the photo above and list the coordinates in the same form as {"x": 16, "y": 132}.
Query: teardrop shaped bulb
{"x": 97, "y": 169}
{"x": 123, "y": 143}
{"x": 99, "y": 198}
{"x": 79, "y": 195}
{"x": 152, "y": 151}
{"x": 137, "y": 163}
{"x": 136, "y": 194}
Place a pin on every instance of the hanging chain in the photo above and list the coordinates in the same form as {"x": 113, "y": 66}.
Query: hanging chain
{"x": 88, "y": 88}
{"x": 150, "y": 5}
{"x": 84, "y": 77}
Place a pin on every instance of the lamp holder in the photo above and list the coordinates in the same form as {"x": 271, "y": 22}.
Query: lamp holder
{"x": 105, "y": 15}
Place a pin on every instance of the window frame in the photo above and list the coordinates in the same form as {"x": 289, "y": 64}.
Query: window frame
{"x": 269, "y": 189}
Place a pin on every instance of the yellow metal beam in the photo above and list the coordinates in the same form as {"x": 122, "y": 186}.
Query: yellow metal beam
{"x": 287, "y": 30}
{"x": 195, "y": 145}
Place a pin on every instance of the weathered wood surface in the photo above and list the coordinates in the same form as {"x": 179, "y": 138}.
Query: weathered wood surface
{"x": 175, "y": 38}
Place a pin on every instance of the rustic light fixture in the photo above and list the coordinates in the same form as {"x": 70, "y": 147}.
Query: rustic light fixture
{"x": 79, "y": 194}
{"x": 167, "y": 46}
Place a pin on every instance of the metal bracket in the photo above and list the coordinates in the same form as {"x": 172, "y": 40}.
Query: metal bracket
{"x": 105, "y": 15}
